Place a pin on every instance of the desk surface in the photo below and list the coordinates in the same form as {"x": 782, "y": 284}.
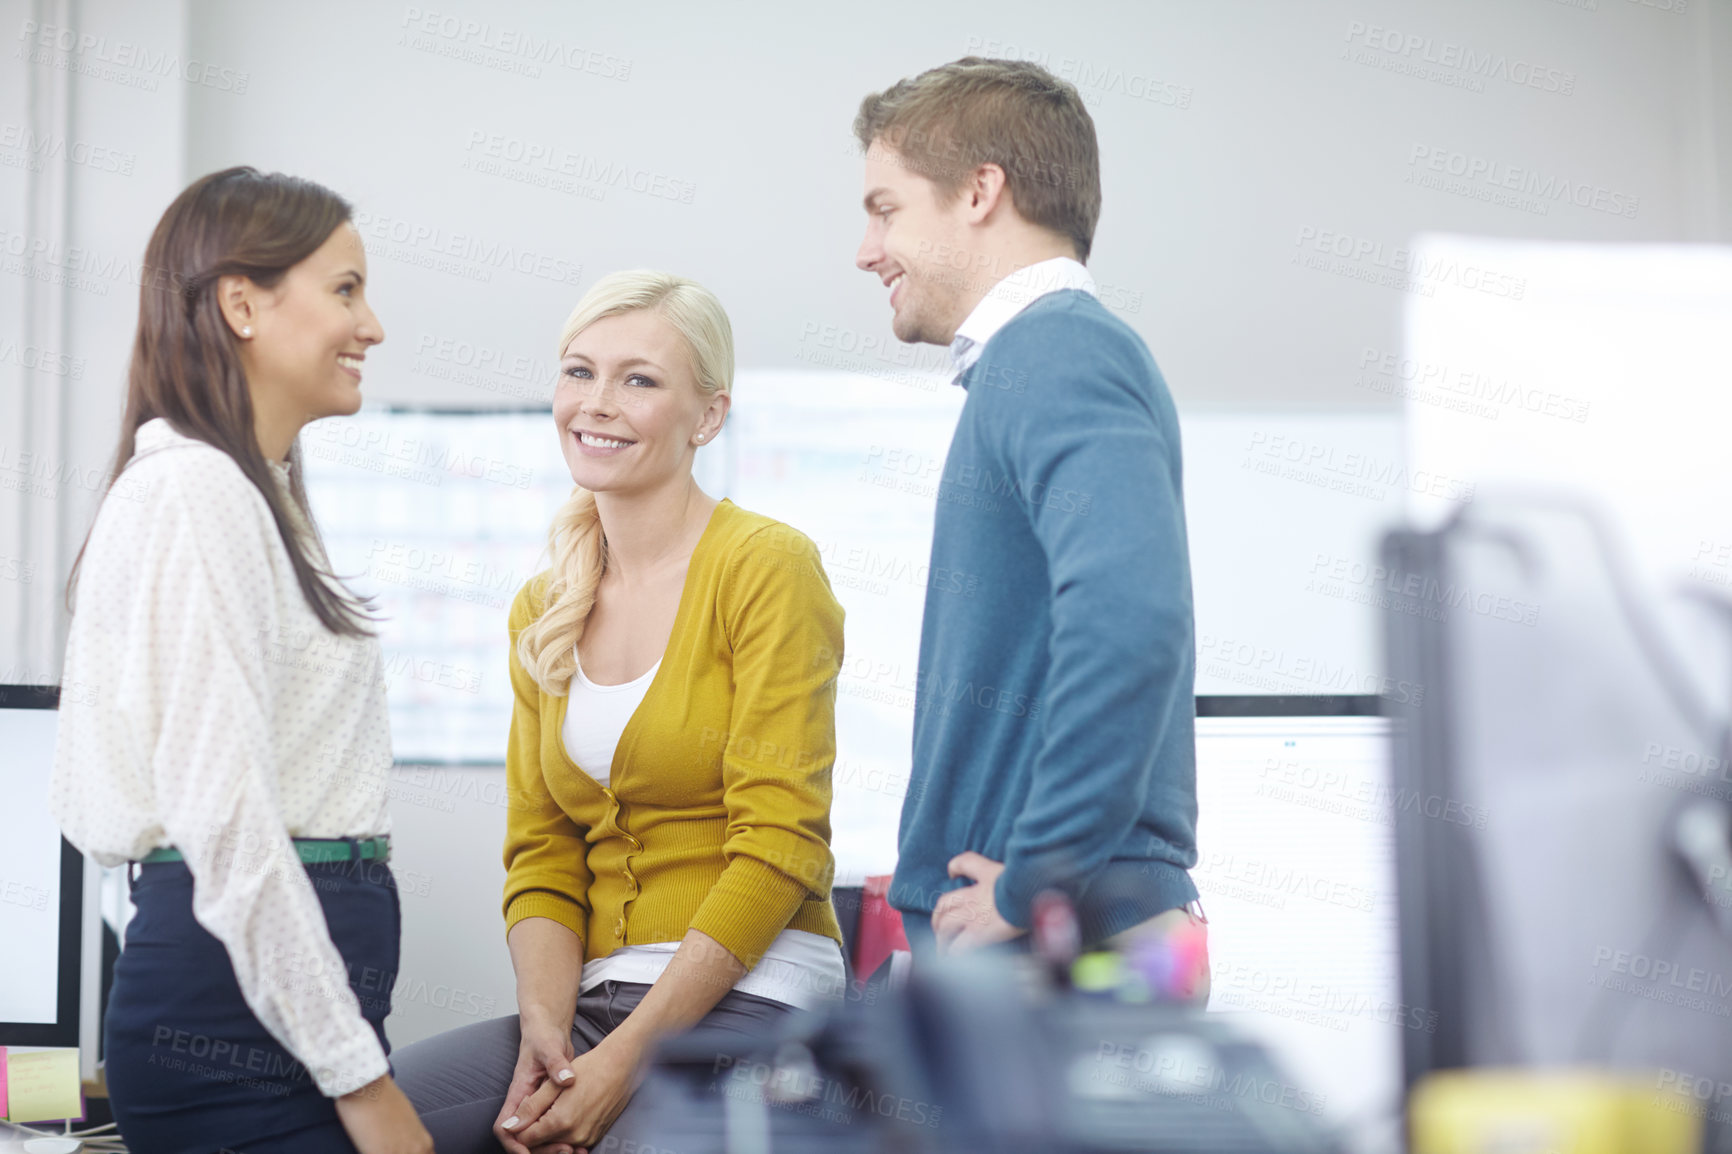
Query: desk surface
{"x": 11, "y": 1142}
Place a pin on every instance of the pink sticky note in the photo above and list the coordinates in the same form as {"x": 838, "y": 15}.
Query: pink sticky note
{"x": 2, "y": 1081}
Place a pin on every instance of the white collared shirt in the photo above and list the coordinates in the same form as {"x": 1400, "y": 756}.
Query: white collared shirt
{"x": 1009, "y": 297}
{"x": 204, "y": 706}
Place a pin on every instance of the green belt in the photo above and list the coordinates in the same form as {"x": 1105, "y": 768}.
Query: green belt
{"x": 313, "y": 851}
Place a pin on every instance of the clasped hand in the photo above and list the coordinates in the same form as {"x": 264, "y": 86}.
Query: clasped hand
{"x": 563, "y": 1104}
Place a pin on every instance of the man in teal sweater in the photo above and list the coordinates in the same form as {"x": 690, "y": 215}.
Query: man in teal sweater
{"x": 1053, "y": 725}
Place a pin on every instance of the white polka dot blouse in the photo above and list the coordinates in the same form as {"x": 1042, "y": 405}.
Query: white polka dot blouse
{"x": 204, "y": 706}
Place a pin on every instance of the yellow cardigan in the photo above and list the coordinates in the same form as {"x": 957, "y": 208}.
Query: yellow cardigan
{"x": 718, "y": 813}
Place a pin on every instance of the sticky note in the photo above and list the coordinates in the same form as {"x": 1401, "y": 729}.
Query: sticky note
{"x": 2, "y": 1081}
{"x": 42, "y": 1086}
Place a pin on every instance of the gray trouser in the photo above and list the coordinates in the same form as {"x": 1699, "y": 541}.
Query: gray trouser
{"x": 457, "y": 1080}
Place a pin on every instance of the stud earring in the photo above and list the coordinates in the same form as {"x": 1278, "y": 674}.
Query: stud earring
{"x": 700, "y": 438}
{"x": 246, "y": 330}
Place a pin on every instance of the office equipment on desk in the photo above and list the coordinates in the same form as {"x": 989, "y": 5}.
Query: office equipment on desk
{"x": 1579, "y": 924}
{"x": 1567, "y": 1112}
{"x": 1162, "y": 967}
{"x": 990, "y": 1052}
{"x": 51, "y": 924}
{"x": 1297, "y": 875}
{"x": 50, "y": 970}
{"x": 42, "y": 883}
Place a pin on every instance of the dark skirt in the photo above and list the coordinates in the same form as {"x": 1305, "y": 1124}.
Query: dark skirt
{"x": 190, "y": 1069}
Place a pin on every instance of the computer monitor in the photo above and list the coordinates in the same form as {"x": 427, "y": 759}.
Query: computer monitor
{"x": 41, "y": 882}
{"x": 1582, "y": 918}
{"x": 1296, "y": 871}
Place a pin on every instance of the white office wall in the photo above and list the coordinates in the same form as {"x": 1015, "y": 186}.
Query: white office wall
{"x": 1257, "y": 122}
{"x": 1285, "y": 510}
{"x": 90, "y": 155}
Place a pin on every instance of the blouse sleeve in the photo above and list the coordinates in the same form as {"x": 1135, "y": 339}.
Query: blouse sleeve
{"x": 198, "y": 697}
{"x": 785, "y": 627}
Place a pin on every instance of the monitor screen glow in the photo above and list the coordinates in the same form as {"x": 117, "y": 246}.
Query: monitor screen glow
{"x": 29, "y": 870}
{"x": 1297, "y": 874}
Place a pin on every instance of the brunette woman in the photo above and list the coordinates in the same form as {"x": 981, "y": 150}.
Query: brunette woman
{"x": 235, "y": 744}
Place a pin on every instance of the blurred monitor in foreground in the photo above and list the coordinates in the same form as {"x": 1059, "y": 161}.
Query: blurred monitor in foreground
{"x": 1584, "y": 923}
{"x": 1570, "y": 624}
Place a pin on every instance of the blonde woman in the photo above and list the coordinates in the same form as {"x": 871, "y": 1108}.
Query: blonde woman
{"x": 667, "y": 848}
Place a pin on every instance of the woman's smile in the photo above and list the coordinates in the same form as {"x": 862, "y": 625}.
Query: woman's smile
{"x": 595, "y": 445}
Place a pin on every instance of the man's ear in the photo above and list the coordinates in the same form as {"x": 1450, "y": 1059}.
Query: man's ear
{"x": 986, "y": 190}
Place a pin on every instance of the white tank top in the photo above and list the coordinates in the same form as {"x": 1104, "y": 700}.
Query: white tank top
{"x": 595, "y": 717}
{"x": 800, "y": 968}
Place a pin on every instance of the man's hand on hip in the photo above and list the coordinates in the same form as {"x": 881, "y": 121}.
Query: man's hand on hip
{"x": 968, "y": 918}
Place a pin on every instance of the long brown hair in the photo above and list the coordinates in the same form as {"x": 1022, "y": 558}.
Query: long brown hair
{"x": 186, "y": 364}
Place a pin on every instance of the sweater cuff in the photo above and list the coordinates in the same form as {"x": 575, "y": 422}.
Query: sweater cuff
{"x": 356, "y": 1064}
{"x": 1023, "y": 878}
{"x": 749, "y": 905}
{"x": 541, "y": 904}
{"x": 1118, "y": 896}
